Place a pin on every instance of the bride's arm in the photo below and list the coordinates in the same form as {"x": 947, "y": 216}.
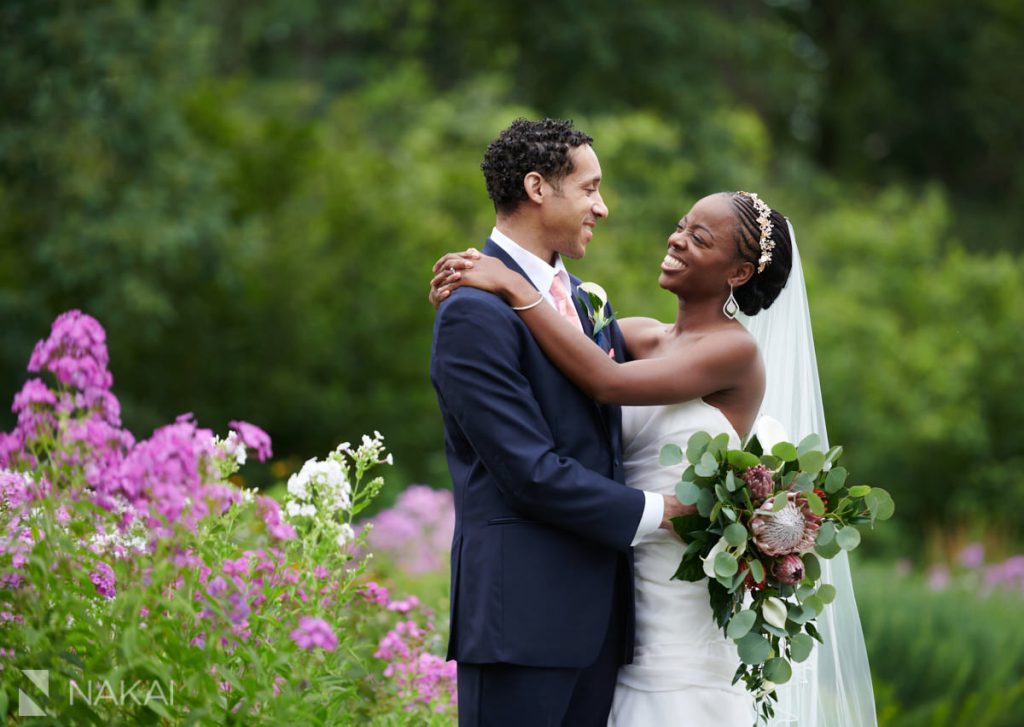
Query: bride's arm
{"x": 711, "y": 364}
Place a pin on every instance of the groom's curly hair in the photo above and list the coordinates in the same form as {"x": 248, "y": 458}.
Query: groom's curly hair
{"x": 529, "y": 146}
{"x": 763, "y": 287}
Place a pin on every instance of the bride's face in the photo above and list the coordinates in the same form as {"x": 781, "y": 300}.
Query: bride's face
{"x": 702, "y": 255}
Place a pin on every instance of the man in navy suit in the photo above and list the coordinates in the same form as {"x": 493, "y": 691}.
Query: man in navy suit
{"x": 542, "y": 583}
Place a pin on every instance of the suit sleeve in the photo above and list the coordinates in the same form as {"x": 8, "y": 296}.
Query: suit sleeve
{"x": 478, "y": 342}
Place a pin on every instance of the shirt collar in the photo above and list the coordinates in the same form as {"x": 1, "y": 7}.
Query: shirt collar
{"x": 539, "y": 271}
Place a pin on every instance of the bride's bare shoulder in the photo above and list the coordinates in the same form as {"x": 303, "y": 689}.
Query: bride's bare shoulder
{"x": 641, "y": 334}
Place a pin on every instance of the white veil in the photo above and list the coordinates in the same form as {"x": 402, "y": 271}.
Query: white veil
{"x": 833, "y": 687}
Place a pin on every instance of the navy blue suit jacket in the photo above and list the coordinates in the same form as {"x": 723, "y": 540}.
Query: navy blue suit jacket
{"x": 542, "y": 517}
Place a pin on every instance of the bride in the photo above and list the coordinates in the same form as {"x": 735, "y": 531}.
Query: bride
{"x": 707, "y": 371}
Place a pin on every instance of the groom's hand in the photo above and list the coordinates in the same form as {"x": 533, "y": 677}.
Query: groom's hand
{"x": 674, "y": 508}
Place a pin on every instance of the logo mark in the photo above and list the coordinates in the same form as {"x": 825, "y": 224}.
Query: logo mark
{"x": 27, "y": 706}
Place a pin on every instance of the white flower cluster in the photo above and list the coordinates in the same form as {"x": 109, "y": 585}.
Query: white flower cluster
{"x": 232, "y": 446}
{"x": 131, "y": 542}
{"x": 320, "y": 482}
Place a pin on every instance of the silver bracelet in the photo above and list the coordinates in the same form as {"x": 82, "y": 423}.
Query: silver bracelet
{"x": 534, "y": 304}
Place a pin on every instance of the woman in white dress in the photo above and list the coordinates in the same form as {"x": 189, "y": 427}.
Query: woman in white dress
{"x": 705, "y": 371}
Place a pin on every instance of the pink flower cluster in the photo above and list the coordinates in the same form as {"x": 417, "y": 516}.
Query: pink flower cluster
{"x": 416, "y": 534}
{"x": 1007, "y": 575}
{"x": 167, "y": 479}
{"x": 314, "y": 633}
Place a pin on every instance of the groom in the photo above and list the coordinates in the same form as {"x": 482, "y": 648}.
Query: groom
{"x": 542, "y": 581}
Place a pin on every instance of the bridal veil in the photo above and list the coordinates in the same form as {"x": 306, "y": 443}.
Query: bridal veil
{"x": 833, "y": 687}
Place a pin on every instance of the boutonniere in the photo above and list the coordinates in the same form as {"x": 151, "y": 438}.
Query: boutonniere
{"x": 595, "y": 302}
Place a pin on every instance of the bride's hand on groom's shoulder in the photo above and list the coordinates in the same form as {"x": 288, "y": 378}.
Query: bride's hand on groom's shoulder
{"x": 447, "y": 270}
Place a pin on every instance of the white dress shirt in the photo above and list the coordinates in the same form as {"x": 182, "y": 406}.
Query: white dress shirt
{"x": 541, "y": 273}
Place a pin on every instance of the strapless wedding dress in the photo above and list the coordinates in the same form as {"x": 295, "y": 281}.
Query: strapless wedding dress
{"x": 683, "y": 665}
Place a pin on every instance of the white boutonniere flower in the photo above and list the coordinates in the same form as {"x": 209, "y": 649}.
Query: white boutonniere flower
{"x": 598, "y": 300}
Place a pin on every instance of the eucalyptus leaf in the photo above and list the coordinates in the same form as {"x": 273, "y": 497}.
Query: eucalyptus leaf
{"x": 815, "y": 603}
{"x": 812, "y": 462}
{"x": 848, "y": 538}
{"x": 812, "y": 567}
{"x": 814, "y": 502}
{"x": 705, "y": 502}
{"x": 804, "y": 482}
{"x": 696, "y": 446}
{"x": 800, "y": 647}
{"x": 725, "y": 565}
{"x": 708, "y": 465}
{"x": 753, "y": 649}
{"x": 735, "y": 535}
{"x": 721, "y": 492}
{"x": 826, "y": 533}
{"x": 859, "y": 490}
{"x": 740, "y": 624}
{"x": 827, "y": 593}
{"x": 780, "y": 501}
{"x": 778, "y": 670}
{"x": 671, "y": 454}
{"x": 729, "y": 513}
{"x": 811, "y": 442}
{"x": 835, "y": 480}
{"x": 834, "y": 454}
{"x": 785, "y": 451}
{"x": 757, "y": 570}
{"x": 742, "y": 460}
{"x": 688, "y": 493}
{"x": 828, "y": 550}
{"x": 730, "y": 481}
{"x": 802, "y": 592}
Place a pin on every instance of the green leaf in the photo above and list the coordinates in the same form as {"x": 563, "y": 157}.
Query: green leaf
{"x": 811, "y": 442}
{"x": 803, "y": 592}
{"x": 735, "y": 535}
{"x": 688, "y": 493}
{"x": 835, "y": 480}
{"x": 812, "y": 567}
{"x": 848, "y": 538}
{"x": 741, "y": 460}
{"x": 804, "y": 482}
{"x": 778, "y": 670}
{"x": 729, "y": 513}
{"x": 725, "y": 565}
{"x": 800, "y": 647}
{"x": 753, "y": 648}
{"x": 708, "y": 465}
{"x": 785, "y": 451}
{"x": 829, "y": 550}
{"x": 812, "y": 462}
{"x": 815, "y": 603}
{"x": 826, "y": 533}
{"x": 690, "y": 570}
{"x": 730, "y": 481}
{"x": 685, "y": 525}
{"x": 696, "y": 446}
{"x": 771, "y": 462}
{"x": 756, "y": 570}
{"x": 780, "y": 501}
{"x": 721, "y": 493}
{"x": 814, "y": 502}
{"x": 740, "y": 624}
{"x": 833, "y": 454}
{"x": 801, "y": 614}
{"x": 859, "y": 490}
{"x": 718, "y": 445}
{"x": 705, "y": 502}
{"x": 671, "y": 454}
{"x": 827, "y": 593}
{"x": 881, "y": 504}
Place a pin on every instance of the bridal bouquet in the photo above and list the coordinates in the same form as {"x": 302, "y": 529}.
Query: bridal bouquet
{"x": 765, "y": 515}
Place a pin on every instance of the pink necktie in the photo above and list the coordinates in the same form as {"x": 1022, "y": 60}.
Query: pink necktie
{"x": 563, "y": 304}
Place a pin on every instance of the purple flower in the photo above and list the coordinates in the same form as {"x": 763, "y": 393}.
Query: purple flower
{"x": 417, "y": 532}
{"x": 314, "y": 632}
{"x": 33, "y": 393}
{"x": 75, "y": 352}
{"x": 271, "y": 513}
{"x": 103, "y": 578}
{"x": 973, "y": 555}
{"x": 254, "y": 438}
{"x": 938, "y": 578}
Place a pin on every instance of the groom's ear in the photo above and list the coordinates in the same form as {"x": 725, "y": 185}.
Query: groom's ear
{"x": 744, "y": 272}
{"x": 533, "y": 183}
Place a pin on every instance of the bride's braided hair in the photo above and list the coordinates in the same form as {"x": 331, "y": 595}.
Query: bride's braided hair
{"x": 763, "y": 287}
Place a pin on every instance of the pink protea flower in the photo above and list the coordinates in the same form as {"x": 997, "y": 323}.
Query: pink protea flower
{"x": 759, "y": 479}
{"x": 790, "y": 530}
{"x": 789, "y": 569}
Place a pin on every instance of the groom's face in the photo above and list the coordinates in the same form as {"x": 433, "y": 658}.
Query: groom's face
{"x": 573, "y": 205}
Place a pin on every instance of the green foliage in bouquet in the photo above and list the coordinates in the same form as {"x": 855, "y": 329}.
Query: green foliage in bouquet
{"x": 762, "y": 521}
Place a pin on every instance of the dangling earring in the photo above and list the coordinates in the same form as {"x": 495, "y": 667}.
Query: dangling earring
{"x": 730, "y": 308}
